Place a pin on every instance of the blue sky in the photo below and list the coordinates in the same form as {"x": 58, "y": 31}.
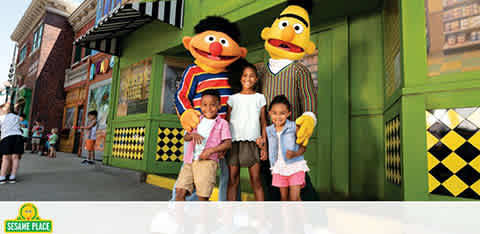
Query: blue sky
{"x": 9, "y": 19}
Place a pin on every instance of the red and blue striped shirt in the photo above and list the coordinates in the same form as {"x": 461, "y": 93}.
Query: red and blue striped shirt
{"x": 194, "y": 81}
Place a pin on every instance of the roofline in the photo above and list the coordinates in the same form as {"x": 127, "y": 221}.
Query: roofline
{"x": 35, "y": 11}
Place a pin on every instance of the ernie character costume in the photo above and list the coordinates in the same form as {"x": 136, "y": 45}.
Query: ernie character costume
{"x": 286, "y": 41}
{"x": 214, "y": 47}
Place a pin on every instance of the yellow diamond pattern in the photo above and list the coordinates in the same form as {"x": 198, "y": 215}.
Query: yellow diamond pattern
{"x": 128, "y": 143}
{"x": 455, "y": 185}
{"x": 432, "y": 183}
{"x": 453, "y": 140}
{"x": 454, "y": 164}
{"x": 170, "y": 144}
{"x": 393, "y": 151}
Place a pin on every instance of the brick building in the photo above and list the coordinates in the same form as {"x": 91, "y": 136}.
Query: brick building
{"x": 44, "y": 38}
{"x": 87, "y": 83}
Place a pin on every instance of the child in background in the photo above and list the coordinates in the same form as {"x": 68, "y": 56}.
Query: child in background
{"x": 246, "y": 113}
{"x": 37, "y": 133}
{"x": 11, "y": 144}
{"x": 211, "y": 137}
{"x": 91, "y": 137}
{"x": 286, "y": 157}
{"x": 52, "y": 143}
{"x": 24, "y": 128}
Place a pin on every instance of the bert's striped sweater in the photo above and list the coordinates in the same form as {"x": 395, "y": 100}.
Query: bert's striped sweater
{"x": 295, "y": 82}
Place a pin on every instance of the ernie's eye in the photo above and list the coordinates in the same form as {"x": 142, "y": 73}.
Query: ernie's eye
{"x": 210, "y": 38}
{"x": 298, "y": 28}
{"x": 224, "y": 42}
{"x": 283, "y": 24}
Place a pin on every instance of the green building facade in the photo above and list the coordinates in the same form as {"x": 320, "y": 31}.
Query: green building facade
{"x": 383, "y": 109}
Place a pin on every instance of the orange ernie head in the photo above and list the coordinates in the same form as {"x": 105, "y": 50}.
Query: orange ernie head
{"x": 214, "y": 46}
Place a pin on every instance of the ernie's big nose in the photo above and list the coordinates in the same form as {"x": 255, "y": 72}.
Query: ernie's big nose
{"x": 216, "y": 48}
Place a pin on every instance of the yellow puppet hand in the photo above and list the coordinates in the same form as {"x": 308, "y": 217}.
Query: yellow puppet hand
{"x": 190, "y": 119}
{"x": 307, "y": 124}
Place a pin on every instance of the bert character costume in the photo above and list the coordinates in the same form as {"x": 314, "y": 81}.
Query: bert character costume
{"x": 288, "y": 40}
{"x": 214, "y": 47}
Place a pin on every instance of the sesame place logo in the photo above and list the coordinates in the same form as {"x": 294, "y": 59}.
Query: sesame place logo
{"x": 28, "y": 221}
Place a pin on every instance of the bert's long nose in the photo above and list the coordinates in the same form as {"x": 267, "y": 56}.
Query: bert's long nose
{"x": 216, "y": 48}
{"x": 287, "y": 34}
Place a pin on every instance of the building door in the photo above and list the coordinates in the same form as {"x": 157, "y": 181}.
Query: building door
{"x": 78, "y": 132}
{"x": 328, "y": 150}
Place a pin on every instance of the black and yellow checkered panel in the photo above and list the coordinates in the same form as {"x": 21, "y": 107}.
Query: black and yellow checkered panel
{"x": 453, "y": 145}
{"x": 170, "y": 145}
{"x": 128, "y": 143}
{"x": 393, "y": 163}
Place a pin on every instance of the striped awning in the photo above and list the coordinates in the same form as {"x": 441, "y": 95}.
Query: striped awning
{"x": 126, "y": 18}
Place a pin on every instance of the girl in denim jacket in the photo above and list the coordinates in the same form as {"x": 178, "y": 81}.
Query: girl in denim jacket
{"x": 286, "y": 157}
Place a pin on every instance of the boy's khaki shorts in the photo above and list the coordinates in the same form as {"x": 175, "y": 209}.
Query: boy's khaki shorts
{"x": 201, "y": 174}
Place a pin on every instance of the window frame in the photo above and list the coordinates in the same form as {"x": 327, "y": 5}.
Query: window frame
{"x": 37, "y": 38}
{"x": 20, "y": 59}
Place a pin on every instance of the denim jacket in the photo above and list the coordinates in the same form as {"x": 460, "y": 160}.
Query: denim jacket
{"x": 287, "y": 141}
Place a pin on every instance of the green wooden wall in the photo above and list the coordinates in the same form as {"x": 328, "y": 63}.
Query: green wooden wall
{"x": 346, "y": 153}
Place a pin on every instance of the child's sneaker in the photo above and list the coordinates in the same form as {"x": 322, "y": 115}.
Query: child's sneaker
{"x": 12, "y": 181}
{"x": 4, "y": 181}
{"x": 85, "y": 161}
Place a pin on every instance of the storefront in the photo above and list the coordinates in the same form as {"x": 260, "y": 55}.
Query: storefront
{"x": 378, "y": 77}
{"x": 73, "y": 114}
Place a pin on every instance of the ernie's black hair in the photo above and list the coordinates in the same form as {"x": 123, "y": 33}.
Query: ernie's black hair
{"x": 305, "y": 4}
{"x": 219, "y": 24}
{"x": 212, "y": 92}
{"x": 280, "y": 99}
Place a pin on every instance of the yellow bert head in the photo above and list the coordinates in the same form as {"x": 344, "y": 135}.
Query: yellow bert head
{"x": 289, "y": 35}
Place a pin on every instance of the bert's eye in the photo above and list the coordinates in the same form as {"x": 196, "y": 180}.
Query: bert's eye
{"x": 298, "y": 28}
{"x": 283, "y": 24}
{"x": 224, "y": 42}
{"x": 210, "y": 38}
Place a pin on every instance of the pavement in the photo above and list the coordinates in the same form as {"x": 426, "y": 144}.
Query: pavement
{"x": 64, "y": 178}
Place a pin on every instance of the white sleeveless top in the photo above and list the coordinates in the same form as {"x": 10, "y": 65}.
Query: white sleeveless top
{"x": 245, "y": 116}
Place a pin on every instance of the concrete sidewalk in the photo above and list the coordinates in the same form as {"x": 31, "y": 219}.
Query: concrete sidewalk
{"x": 65, "y": 179}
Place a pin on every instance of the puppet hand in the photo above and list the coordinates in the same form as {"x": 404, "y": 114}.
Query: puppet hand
{"x": 190, "y": 119}
{"x": 307, "y": 124}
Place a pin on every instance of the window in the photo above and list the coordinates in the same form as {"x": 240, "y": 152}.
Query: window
{"x": 134, "y": 88}
{"x": 78, "y": 54}
{"x": 172, "y": 75}
{"x": 87, "y": 52}
{"x": 23, "y": 54}
{"x": 37, "y": 38}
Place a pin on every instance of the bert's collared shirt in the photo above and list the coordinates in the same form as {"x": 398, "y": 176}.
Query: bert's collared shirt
{"x": 220, "y": 132}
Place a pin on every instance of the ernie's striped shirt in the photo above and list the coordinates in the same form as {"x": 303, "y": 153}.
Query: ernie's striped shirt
{"x": 295, "y": 82}
{"x": 194, "y": 81}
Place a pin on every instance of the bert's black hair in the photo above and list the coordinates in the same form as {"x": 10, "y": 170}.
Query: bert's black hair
{"x": 305, "y": 4}
{"x": 94, "y": 112}
{"x": 212, "y": 92}
{"x": 280, "y": 99}
{"x": 219, "y": 24}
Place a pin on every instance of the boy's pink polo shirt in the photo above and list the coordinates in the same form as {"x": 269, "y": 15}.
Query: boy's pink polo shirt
{"x": 219, "y": 133}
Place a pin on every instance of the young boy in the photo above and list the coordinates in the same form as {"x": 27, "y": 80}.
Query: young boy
{"x": 211, "y": 137}
{"x": 52, "y": 141}
{"x": 91, "y": 137}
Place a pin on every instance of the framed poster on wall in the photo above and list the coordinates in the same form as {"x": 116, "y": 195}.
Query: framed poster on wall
{"x": 98, "y": 99}
{"x": 134, "y": 85}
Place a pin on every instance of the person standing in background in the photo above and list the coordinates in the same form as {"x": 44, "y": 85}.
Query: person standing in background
{"x": 24, "y": 129}
{"x": 37, "y": 133}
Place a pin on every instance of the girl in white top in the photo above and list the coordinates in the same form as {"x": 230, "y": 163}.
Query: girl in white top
{"x": 11, "y": 143}
{"x": 247, "y": 116}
